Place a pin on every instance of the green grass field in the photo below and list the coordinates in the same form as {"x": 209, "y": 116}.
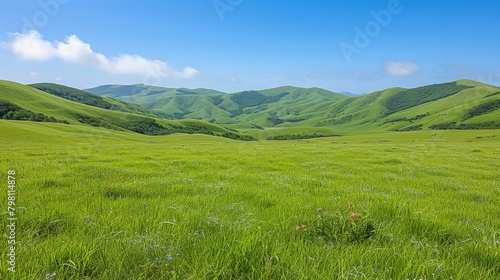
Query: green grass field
{"x": 99, "y": 204}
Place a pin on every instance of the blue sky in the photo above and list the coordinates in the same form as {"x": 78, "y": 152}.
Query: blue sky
{"x": 232, "y": 45}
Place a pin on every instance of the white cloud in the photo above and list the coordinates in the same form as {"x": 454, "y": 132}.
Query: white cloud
{"x": 75, "y": 50}
{"x": 498, "y": 75}
{"x": 31, "y": 46}
{"x": 401, "y": 68}
{"x": 33, "y": 75}
{"x": 137, "y": 65}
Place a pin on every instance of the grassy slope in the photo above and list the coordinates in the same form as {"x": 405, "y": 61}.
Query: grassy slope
{"x": 87, "y": 98}
{"x": 195, "y": 207}
{"x": 127, "y": 107}
{"x": 41, "y": 102}
{"x": 452, "y": 108}
{"x": 293, "y": 106}
{"x": 173, "y": 103}
{"x": 279, "y": 131}
{"x": 127, "y": 91}
{"x": 368, "y": 112}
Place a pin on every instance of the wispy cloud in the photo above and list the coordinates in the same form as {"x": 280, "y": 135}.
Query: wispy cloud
{"x": 358, "y": 75}
{"x": 234, "y": 80}
{"x": 456, "y": 71}
{"x": 401, "y": 68}
{"x": 31, "y": 46}
{"x": 320, "y": 75}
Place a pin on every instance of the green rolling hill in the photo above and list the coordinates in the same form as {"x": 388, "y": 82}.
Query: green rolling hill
{"x": 462, "y": 104}
{"x": 21, "y": 102}
{"x": 276, "y": 114}
{"x": 266, "y": 108}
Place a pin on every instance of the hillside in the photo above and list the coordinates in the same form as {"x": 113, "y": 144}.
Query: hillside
{"x": 461, "y": 104}
{"x": 21, "y": 102}
{"x": 266, "y": 108}
{"x": 87, "y": 98}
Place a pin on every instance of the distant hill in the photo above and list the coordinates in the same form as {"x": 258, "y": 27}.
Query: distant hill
{"x": 463, "y": 104}
{"x": 21, "y": 102}
{"x": 267, "y": 108}
{"x": 125, "y": 91}
{"x": 349, "y": 93}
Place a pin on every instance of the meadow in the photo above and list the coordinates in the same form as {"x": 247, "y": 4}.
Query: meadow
{"x": 98, "y": 204}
